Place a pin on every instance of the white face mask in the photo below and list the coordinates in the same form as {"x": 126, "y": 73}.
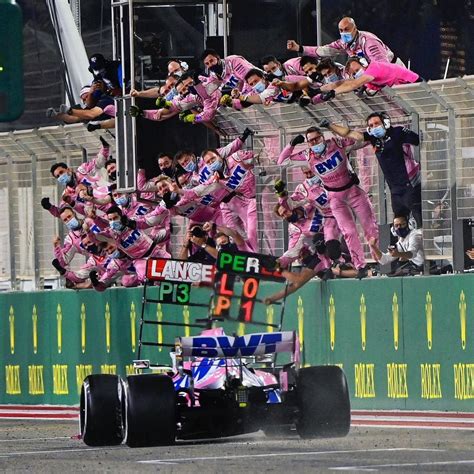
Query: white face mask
{"x": 359, "y": 73}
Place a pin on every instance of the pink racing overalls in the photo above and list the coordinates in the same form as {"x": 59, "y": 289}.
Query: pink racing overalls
{"x": 345, "y": 196}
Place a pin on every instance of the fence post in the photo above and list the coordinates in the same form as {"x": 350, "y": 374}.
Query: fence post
{"x": 13, "y": 282}
{"x": 34, "y": 190}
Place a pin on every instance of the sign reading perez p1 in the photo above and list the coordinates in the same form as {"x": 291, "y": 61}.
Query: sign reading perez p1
{"x": 249, "y": 264}
{"x": 180, "y": 271}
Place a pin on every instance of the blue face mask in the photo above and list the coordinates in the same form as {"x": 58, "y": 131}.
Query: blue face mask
{"x": 402, "y": 232}
{"x": 346, "y": 37}
{"x": 215, "y": 166}
{"x": 313, "y": 180}
{"x": 359, "y": 73}
{"x": 378, "y": 132}
{"x": 171, "y": 94}
{"x": 64, "y": 179}
{"x": 259, "y": 87}
{"x": 331, "y": 78}
{"x": 73, "y": 223}
{"x": 277, "y": 72}
{"x": 190, "y": 166}
{"x": 115, "y": 254}
{"x": 116, "y": 225}
{"x": 319, "y": 148}
{"x": 121, "y": 201}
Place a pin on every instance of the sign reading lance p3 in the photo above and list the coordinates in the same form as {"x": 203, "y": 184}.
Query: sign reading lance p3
{"x": 240, "y": 346}
{"x": 179, "y": 271}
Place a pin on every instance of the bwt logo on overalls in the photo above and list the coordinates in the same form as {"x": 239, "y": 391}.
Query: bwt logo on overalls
{"x": 232, "y": 82}
{"x": 235, "y": 179}
{"x": 204, "y": 174}
{"x": 95, "y": 229}
{"x": 141, "y": 211}
{"x": 188, "y": 211}
{"x": 131, "y": 239}
{"x": 331, "y": 163}
{"x": 233, "y": 346}
{"x": 206, "y": 200}
{"x": 322, "y": 199}
{"x": 316, "y": 222}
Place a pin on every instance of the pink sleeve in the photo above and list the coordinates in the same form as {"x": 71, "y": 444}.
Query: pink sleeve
{"x": 54, "y": 211}
{"x": 65, "y": 253}
{"x": 210, "y": 109}
{"x": 295, "y": 78}
{"x": 310, "y": 51}
{"x": 150, "y": 114}
{"x": 331, "y": 49}
{"x": 374, "y": 49}
{"x": 153, "y": 218}
{"x": 143, "y": 184}
{"x": 231, "y": 148}
{"x": 294, "y": 246}
{"x": 286, "y": 154}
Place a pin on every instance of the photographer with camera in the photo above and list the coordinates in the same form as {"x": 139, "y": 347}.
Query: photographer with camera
{"x": 198, "y": 246}
{"x": 408, "y": 251}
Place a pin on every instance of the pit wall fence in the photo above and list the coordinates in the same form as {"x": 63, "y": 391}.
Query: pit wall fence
{"x": 404, "y": 343}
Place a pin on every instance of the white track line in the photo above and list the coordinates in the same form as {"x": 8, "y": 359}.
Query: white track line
{"x": 57, "y": 451}
{"x": 16, "y": 440}
{"x": 374, "y": 467}
{"x": 297, "y": 453}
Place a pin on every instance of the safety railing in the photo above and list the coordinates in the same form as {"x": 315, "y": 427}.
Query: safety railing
{"x": 441, "y": 111}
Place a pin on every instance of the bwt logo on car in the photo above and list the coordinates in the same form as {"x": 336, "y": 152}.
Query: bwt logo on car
{"x": 179, "y": 271}
{"x": 228, "y": 346}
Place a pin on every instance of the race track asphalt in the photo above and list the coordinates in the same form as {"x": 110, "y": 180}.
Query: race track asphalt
{"x": 52, "y": 446}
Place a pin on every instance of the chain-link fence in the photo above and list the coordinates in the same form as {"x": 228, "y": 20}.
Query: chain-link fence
{"x": 28, "y": 230}
{"x": 441, "y": 111}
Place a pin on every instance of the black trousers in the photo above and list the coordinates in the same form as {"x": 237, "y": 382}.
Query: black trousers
{"x": 406, "y": 200}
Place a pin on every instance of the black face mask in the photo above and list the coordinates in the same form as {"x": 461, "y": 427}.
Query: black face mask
{"x": 217, "y": 68}
{"x": 113, "y": 176}
{"x": 293, "y": 218}
{"x": 316, "y": 77}
{"x": 170, "y": 199}
{"x": 167, "y": 171}
{"x": 93, "y": 249}
{"x": 224, "y": 247}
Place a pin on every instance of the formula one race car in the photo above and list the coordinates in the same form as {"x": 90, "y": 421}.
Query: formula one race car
{"x": 218, "y": 385}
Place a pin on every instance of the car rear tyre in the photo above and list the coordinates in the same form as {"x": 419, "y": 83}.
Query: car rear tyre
{"x": 101, "y": 413}
{"x": 323, "y": 402}
{"x": 150, "y": 411}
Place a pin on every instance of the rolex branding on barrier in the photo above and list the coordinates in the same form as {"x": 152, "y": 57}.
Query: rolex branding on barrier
{"x": 403, "y": 343}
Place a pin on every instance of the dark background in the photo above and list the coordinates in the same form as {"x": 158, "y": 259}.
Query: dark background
{"x": 426, "y": 31}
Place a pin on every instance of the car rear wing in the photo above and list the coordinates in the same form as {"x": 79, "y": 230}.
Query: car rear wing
{"x": 250, "y": 345}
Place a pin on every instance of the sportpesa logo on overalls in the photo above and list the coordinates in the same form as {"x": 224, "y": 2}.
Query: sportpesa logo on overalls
{"x": 131, "y": 239}
{"x": 330, "y": 164}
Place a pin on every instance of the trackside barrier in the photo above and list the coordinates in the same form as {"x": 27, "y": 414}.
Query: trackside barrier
{"x": 403, "y": 343}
